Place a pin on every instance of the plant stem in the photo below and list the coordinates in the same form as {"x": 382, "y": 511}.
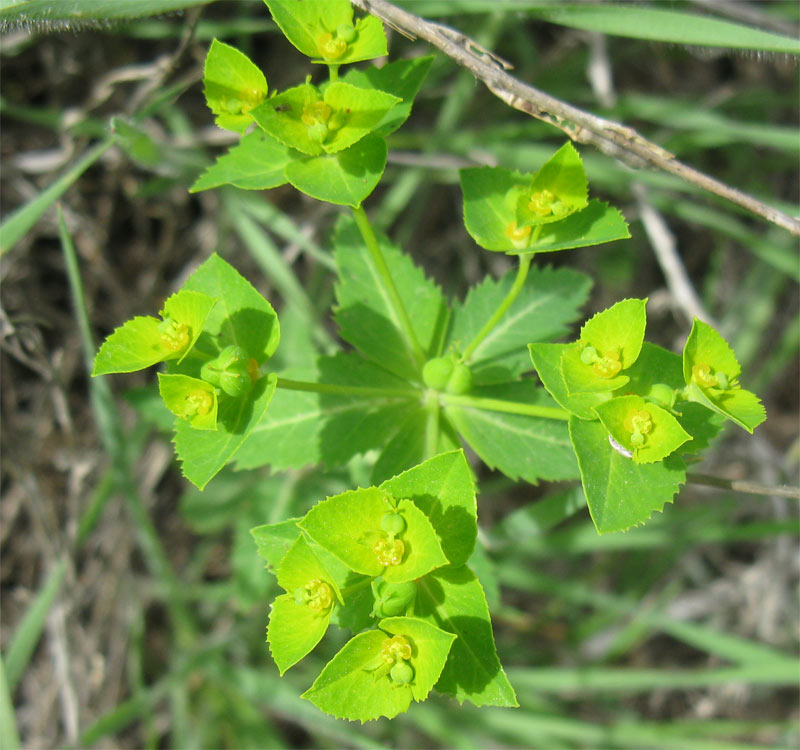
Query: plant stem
{"x": 509, "y": 407}
{"x": 404, "y": 323}
{"x": 431, "y": 425}
{"x": 522, "y": 273}
{"x": 333, "y": 72}
{"x": 739, "y": 485}
{"x": 344, "y": 390}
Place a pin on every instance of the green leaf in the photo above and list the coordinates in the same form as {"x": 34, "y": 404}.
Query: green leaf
{"x": 444, "y": 489}
{"x": 345, "y": 178}
{"x": 665, "y": 25}
{"x": 619, "y": 492}
{"x": 559, "y": 188}
{"x": 314, "y": 122}
{"x": 547, "y": 360}
{"x": 353, "y": 686}
{"x": 403, "y": 78}
{"x": 323, "y": 29}
{"x": 349, "y": 527}
{"x": 659, "y": 433}
{"x": 300, "y": 617}
{"x": 233, "y": 86}
{"x": 453, "y": 599}
{"x": 34, "y": 14}
{"x": 594, "y": 225}
{"x": 274, "y": 540}
{"x": 711, "y": 372}
{"x": 191, "y": 399}
{"x": 548, "y": 301}
{"x": 241, "y": 316}
{"x": 522, "y": 447}
{"x": 255, "y": 163}
{"x": 365, "y": 316}
{"x": 203, "y": 453}
{"x": 303, "y": 428}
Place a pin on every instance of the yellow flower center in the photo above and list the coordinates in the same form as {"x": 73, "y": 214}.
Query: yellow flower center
{"x": 174, "y": 336}
{"x": 542, "y": 203}
{"x": 389, "y": 551}
{"x": 331, "y": 47}
{"x": 703, "y": 375}
{"x": 198, "y": 403}
{"x": 608, "y": 365}
{"x": 515, "y": 233}
{"x": 396, "y": 648}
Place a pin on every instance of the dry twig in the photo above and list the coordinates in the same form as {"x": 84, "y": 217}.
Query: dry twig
{"x": 610, "y": 137}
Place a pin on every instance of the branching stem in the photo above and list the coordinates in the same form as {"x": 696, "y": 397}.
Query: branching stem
{"x": 345, "y": 390}
{"x": 522, "y": 273}
{"x": 509, "y": 407}
{"x": 431, "y": 425}
{"x": 395, "y": 302}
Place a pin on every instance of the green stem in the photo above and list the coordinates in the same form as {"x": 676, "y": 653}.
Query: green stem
{"x": 412, "y": 344}
{"x": 344, "y": 390}
{"x": 431, "y": 424}
{"x": 333, "y": 72}
{"x": 522, "y": 273}
{"x": 510, "y": 407}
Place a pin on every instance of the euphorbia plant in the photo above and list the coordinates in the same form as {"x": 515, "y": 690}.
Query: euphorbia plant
{"x": 427, "y": 376}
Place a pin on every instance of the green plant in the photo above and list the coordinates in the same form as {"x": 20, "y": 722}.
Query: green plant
{"x": 419, "y": 385}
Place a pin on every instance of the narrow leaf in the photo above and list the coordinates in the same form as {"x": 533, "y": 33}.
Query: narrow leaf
{"x": 548, "y": 301}
{"x": 365, "y": 314}
{"x": 522, "y": 447}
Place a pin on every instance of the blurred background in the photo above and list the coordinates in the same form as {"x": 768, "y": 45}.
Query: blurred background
{"x": 134, "y": 608}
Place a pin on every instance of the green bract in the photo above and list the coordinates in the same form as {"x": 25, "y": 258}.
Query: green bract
{"x": 643, "y": 429}
{"x": 316, "y": 122}
{"x": 144, "y": 341}
{"x": 609, "y": 344}
{"x": 233, "y": 86}
{"x": 432, "y": 600}
{"x": 516, "y": 213}
{"x": 191, "y": 399}
{"x": 300, "y": 617}
{"x": 711, "y": 373}
{"x": 324, "y": 30}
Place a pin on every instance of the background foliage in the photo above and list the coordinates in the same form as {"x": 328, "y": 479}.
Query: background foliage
{"x": 133, "y": 606}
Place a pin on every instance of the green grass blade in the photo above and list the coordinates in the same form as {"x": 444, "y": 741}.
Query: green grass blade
{"x": 17, "y": 225}
{"x": 56, "y": 14}
{"x": 29, "y": 630}
{"x": 663, "y": 25}
{"x": 9, "y": 736}
{"x": 601, "y": 679}
{"x": 738, "y": 650}
{"x": 116, "y": 444}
